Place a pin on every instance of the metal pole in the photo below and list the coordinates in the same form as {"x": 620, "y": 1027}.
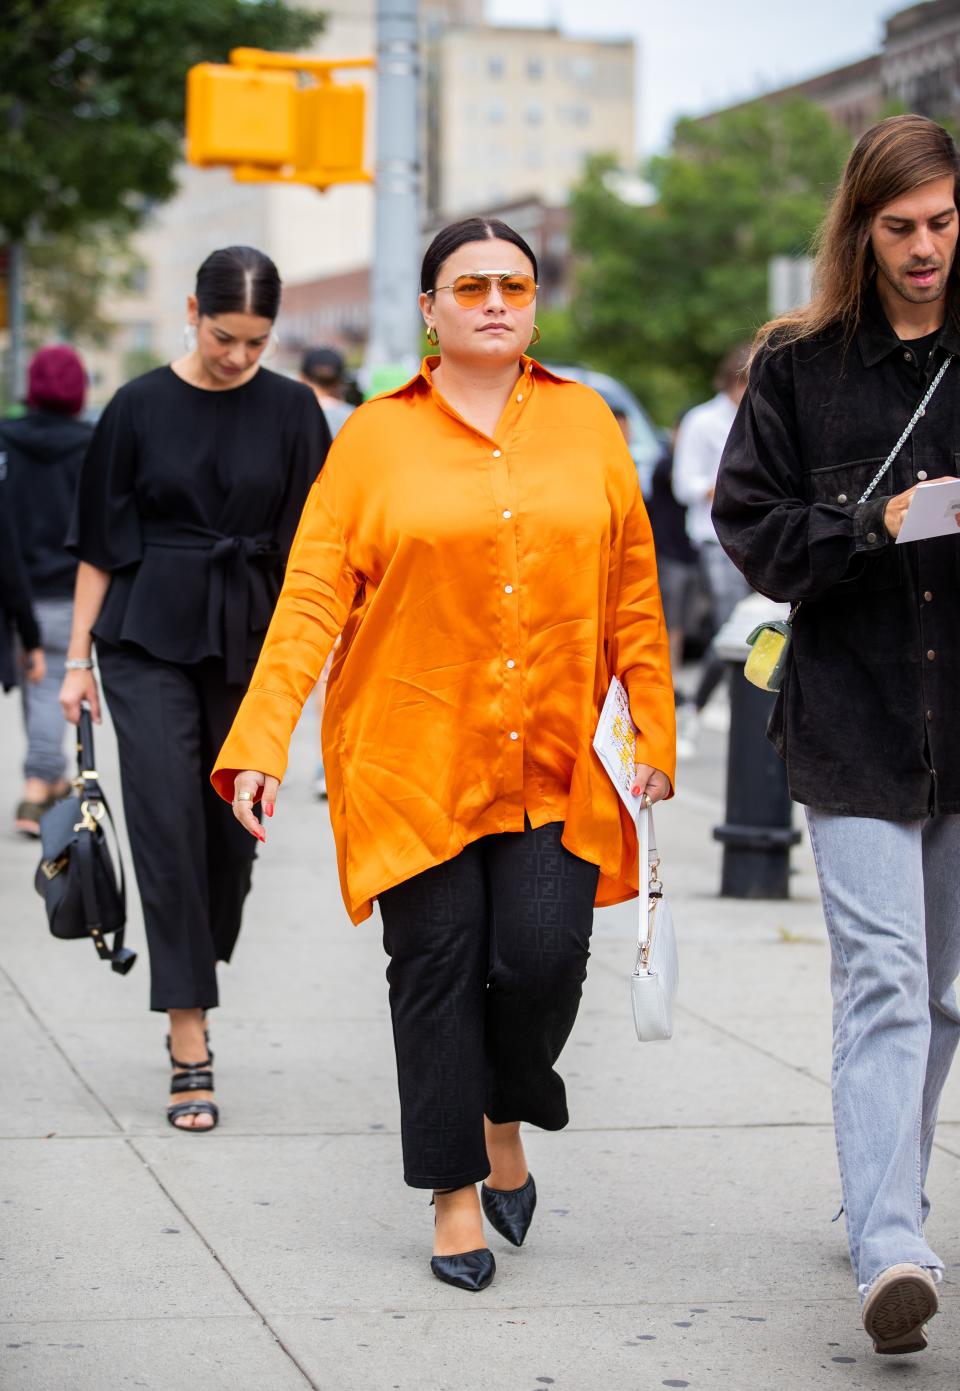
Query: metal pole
{"x": 394, "y": 319}
{"x": 16, "y": 367}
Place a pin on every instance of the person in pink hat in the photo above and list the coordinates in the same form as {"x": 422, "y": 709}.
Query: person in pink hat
{"x": 40, "y": 458}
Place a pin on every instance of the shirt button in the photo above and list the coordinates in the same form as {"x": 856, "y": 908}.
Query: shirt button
{"x": 842, "y": 497}
{"x": 508, "y": 514}
{"x": 871, "y": 537}
{"x": 508, "y": 589}
{"x": 514, "y": 734}
{"x": 908, "y": 357}
{"x": 928, "y": 595}
{"x": 497, "y": 453}
{"x": 921, "y": 474}
{"x": 520, "y": 398}
{"x": 511, "y": 663}
{"x": 929, "y": 714}
{"x": 930, "y": 655}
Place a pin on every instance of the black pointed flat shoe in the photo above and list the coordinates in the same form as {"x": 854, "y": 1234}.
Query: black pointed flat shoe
{"x": 471, "y": 1270}
{"x": 510, "y": 1211}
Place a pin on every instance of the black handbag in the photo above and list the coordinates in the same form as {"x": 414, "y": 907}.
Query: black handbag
{"x": 84, "y": 896}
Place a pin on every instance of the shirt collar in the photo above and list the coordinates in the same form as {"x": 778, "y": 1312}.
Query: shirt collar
{"x": 876, "y": 339}
{"x": 423, "y": 379}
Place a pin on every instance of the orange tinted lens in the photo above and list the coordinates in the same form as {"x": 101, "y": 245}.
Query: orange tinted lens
{"x": 471, "y": 289}
{"x": 518, "y": 290}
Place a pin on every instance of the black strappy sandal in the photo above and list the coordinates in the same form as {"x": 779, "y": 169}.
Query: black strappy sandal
{"x": 192, "y": 1077}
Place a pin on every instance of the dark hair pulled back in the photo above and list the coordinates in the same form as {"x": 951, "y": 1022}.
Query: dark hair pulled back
{"x": 450, "y": 239}
{"x": 238, "y": 280}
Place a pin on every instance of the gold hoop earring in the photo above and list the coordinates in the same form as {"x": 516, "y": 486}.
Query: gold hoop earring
{"x": 433, "y": 337}
{"x": 537, "y": 335}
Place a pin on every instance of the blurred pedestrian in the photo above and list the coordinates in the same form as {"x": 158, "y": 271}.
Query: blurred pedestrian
{"x": 188, "y": 502}
{"x": 866, "y": 713}
{"x": 480, "y": 538}
{"x": 699, "y": 446}
{"x": 42, "y": 452}
{"x": 676, "y": 554}
{"x": 17, "y": 619}
{"x": 324, "y": 370}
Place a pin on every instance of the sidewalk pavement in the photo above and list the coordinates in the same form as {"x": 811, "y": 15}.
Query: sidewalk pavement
{"x": 683, "y": 1237}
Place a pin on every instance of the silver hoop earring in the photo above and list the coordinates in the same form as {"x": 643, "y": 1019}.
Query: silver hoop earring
{"x": 190, "y": 337}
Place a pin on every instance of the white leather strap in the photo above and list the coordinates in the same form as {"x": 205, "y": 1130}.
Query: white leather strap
{"x": 648, "y": 855}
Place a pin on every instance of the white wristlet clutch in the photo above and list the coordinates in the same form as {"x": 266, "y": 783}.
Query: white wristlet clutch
{"x": 657, "y": 972}
{"x": 655, "y": 976}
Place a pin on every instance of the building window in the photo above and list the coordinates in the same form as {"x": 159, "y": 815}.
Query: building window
{"x": 495, "y": 113}
{"x": 533, "y": 115}
{"x": 535, "y": 68}
{"x": 495, "y": 66}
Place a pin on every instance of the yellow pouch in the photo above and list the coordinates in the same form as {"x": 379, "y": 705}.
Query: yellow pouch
{"x": 769, "y": 649}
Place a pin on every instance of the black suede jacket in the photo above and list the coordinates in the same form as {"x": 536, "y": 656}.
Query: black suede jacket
{"x": 867, "y": 717}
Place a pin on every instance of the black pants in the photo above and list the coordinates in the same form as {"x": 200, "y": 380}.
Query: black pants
{"x": 488, "y": 954}
{"x": 193, "y": 860}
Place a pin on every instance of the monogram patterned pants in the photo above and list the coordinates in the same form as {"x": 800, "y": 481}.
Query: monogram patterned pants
{"x": 488, "y": 954}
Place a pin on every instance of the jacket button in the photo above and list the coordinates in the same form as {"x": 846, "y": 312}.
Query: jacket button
{"x": 928, "y": 596}
{"x": 841, "y": 497}
{"x": 908, "y": 357}
{"x": 929, "y": 714}
{"x": 921, "y": 474}
{"x": 871, "y": 537}
{"x": 930, "y": 655}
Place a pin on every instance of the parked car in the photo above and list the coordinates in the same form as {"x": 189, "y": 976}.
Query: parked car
{"x": 646, "y": 441}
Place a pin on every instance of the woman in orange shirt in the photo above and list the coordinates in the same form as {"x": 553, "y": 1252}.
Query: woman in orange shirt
{"x": 479, "y": 537}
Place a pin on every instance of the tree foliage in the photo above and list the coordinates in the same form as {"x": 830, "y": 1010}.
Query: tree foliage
{"x": 92, "y": 100}
{"x": 662, "y": 291}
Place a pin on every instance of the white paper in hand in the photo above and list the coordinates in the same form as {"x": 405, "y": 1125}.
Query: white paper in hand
{"x": 615, "y": 742}
{"x": 934, "y": 511}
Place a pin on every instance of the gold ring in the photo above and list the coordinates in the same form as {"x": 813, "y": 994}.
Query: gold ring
{"x": 244, "y": 796}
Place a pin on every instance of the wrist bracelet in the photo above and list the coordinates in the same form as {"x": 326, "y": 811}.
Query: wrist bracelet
{"x": 78, "y": 664}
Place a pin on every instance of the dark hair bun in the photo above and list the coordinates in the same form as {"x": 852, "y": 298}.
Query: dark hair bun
{"x": 451, "y": 238}
{"x": 238, "y": 280}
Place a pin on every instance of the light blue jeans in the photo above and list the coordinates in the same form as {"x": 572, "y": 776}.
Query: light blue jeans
{"x": 891, "y": 899}
{"x": 43, "y": 720}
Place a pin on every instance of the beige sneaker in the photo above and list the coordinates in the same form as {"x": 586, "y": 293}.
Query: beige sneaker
{"x": 897, "y": 1307}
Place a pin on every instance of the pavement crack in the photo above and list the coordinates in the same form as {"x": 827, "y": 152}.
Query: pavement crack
{"x": 214, "y": 1255}
{"x": 59, "y": 1048}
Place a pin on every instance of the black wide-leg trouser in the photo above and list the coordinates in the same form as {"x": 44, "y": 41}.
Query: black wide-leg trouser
{"x": 488, "y": 954}
{"x": 193, "y": 859}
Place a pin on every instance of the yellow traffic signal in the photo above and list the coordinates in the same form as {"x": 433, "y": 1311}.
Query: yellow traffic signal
{"x": 277, "y": 118}
{"x": 240, "y": 115}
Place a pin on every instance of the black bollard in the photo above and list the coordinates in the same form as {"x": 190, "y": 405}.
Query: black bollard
{"x": 758, "y": 831}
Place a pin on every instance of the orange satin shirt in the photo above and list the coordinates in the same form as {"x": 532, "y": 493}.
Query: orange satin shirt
{"x": 486, "y": 588}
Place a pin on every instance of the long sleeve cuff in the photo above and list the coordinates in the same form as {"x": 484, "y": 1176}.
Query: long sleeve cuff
{"x": 869, "y": 531}
{"x": 259, "y": 739}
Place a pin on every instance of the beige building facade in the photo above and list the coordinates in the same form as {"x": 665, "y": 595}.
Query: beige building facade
{"x": 513, "y": 112}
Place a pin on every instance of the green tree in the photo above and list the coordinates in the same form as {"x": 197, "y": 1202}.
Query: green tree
{"x": 91, "y": 129}
{"x": 92, "y": 100}
{"x": 662, "y": 291}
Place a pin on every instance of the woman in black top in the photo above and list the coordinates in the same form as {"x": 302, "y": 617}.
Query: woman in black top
{"x": 188, "y": 501}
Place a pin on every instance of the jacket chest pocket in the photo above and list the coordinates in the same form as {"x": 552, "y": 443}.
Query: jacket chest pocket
{"x": 842, "y": 486}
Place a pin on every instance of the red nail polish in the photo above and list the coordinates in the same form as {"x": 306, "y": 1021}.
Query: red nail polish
{"x": 268, "y": 808}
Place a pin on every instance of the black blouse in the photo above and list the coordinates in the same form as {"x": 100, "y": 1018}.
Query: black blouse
{"x": 191, "y": 498}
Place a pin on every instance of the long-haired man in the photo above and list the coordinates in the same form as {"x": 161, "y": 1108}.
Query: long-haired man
{"x": 865, "y": 717}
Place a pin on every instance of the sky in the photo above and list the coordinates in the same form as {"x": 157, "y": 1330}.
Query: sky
{"x": 696, "y": 55}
